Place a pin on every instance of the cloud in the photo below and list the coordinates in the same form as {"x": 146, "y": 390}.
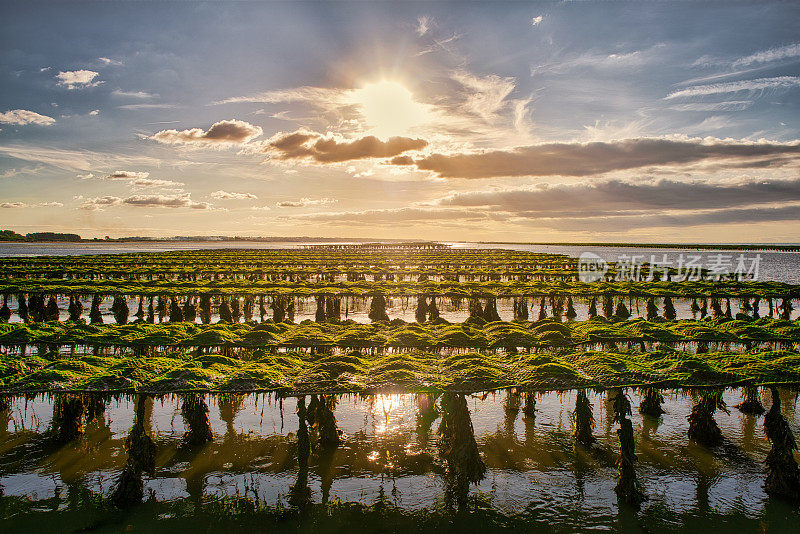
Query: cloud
{"x": 424, "y": 24}
{"x": 98, "y": 203}
{"x": 152, "y": 182}
{"x": 401, "y": 160}
{"x": 305, "y": 202}
{"x": 107, "y": 61}
{"x": 766, "y": 56}
{"x": 445, "y": 44}
{"x": 21, "y": 117}
{"x": 612, "y": 206}
{"x": 586, "y": 159}
{"x": 535, "y": 21}
{"x": 225, "y": 195}
{"x": 75, "y": 160}
{"x": 148, "y": 106}
{"x": 320, "y": 95}
{"x": 221, "y": 134}
{"x": 730, "y": 105}
{"x": 463, "y": 107}
{"x": 78, "y": 79}
{"x": 166, "y": 201}
{"x": 751, "y": 86}
{"x": 313, "y": 146}
{"x": 10, "y": 173}
{"x": 12, "y": 205}
{"x": 486, "y": 95}
{"x": 126, "y": 175}
{"x": 616, "y": 196}
{"x": 138, "y": 179}
{"x": 144, "y": 201}
{"x": 141, "y": 95}
{"x": 391, "y": 216}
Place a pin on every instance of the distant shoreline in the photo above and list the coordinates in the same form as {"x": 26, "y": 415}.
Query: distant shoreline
{"x": 697, "y": 246}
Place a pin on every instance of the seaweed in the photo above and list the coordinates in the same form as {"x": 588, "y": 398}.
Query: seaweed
{"x": 195, "y": 412}
{"x": 750, "y": 404}
{"x": 628, "y": 489}
{"x": 319, "y": 415}
{"x": 702, "y": 427}
{"x": 300, "y": 493}
{"x": 583, "y": 420}
{"x": 783, "y": 474}
{"x": 458, "y": 448}
{"x": 651, "y": 403}
{"x": 68, "y": 417}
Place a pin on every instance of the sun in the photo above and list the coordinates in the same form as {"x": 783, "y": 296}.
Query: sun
{"x": 389, "y": 108}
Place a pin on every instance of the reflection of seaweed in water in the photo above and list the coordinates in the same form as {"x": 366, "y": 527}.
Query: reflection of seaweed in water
{"x": 5, "y": 418}
{"x": 511, "y": 408}
{"x": 229, "y": 405}
{"x": 195, "y": 413}
{"x": 750, "y": 404}
{"x": 702, "y": 427}
{"x": 68, "y": 417}
{"x": 300, "y": 493}
{"x": 583, "y": 420}
{"x": 627, "y": 488}
{"x": 319, "y": 415}
{"x": 95, "y": 406}
{"x": 702, "y": 493}
{"x": 426, "y": 415}
{"x": 651, "y": 403}
{"x": 458, "y": 448}
{"x": 783, "y": 474}
{"x": 529, "y": 410}
{"x": 650, "y": 427}
{"x": 325, "y": 468}
{"x": 141, "y": 458}
{"x": 140, "y": 446}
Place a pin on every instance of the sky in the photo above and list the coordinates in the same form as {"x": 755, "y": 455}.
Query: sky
{"x": 564, "y": 121}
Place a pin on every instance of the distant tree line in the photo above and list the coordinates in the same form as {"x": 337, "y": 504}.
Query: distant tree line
{"x": 10, "y": 235}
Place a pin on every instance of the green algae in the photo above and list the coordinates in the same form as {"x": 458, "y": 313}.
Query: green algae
{"x": 176, "y": 369}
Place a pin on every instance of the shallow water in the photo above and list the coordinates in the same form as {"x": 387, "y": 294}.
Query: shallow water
{"x": 388, "y": 455}
{"x": 387, "y": 475}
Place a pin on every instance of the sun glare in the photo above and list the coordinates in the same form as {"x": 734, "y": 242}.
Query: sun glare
{"x": 389, "y": 108}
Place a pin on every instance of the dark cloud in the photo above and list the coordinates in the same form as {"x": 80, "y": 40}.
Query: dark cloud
{"x": 314, "y": 146}
{"x": 629, "y": 221}
{"x": 402, "y": 160}
{"x": 220, "y": 134}
{"x": 617, "y": 195}
{"x": 612, "y": 206}
{"x": 585, "y": 159}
